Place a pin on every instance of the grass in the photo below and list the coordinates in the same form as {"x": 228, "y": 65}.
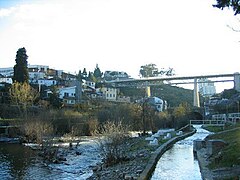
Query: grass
{"x": 221, "y": 128}
{"x": 230, "y": 154}
{"x": 6, "y": 122}
{"x": 141, "y": 143}
{"x": 214, "y": 128}
{"x": 2, "y": 120}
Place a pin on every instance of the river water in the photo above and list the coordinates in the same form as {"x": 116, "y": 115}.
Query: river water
{"x": 20, "y": 162}
{"x": 179, "y": 162}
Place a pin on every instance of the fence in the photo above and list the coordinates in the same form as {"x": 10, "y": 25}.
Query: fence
{"x": 208, "y": 122}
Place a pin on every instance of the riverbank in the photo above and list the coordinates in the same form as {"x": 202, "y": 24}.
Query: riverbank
{"x": 142, "y": 160}
{"x": 215, "y": 174}
{"x": 224, "y": 163}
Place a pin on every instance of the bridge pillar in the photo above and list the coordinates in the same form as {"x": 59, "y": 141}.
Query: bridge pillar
{"x": 237, "y": 81}
{"x": 196, "y": 102}
{"x": 148, "y": 91}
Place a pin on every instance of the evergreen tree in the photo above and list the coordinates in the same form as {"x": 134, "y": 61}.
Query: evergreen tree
{"x": 20, "y": 69}
{"x": 54, "y": 99}
{"x": 91, "y": 77}
{"x": 79, "y": 76}
{"x": 97, "y": 72}
{"x": 234, "y": 4}
{"x": 84, "y": 73}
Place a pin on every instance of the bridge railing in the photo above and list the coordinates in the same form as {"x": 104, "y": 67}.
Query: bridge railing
{"x": 219, "y": 117}
{"x": 229, "y": 117}
{"x": 208, "y": 122}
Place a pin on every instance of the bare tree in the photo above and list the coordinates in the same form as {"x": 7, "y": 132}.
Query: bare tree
{"x": 36, "y": 129}
{"x": 112, "y": 143}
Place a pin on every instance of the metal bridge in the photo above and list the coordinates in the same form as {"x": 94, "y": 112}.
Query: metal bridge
{"x": 174, "y": 80}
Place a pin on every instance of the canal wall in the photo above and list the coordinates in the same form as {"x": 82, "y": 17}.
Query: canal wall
{"x": 205, "y": 172}
{"x": 150, "y": 167}
{"x": 203, "y": 160}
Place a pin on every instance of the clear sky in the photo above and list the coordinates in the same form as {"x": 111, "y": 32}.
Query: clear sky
{"x": 188, "y": 35}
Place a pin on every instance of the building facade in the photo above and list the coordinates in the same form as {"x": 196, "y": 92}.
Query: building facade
{"x": 68, "y": 95}
{"x": 109, "y": 93}
{"x": 206, "y": 87}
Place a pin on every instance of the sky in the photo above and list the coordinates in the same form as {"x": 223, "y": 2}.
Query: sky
{"x": 189, "y": 36}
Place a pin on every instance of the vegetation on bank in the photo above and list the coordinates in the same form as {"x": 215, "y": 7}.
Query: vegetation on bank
{"x": 229, "y": 155}
{"x": 84, "y": 119}
{"x": 172, "y": 94}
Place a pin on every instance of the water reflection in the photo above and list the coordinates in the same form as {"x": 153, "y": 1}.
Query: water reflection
{"x": 15, "y": 160}
{"x": 19, "y": 162}
{"x": 179, "y": 162}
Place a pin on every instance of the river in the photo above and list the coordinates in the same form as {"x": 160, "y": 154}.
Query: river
{"x": 179, "y": 162}
{"x": 20, "y": 162}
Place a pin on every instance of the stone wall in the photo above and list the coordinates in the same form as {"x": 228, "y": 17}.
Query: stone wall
{"x": 147, "y": 173}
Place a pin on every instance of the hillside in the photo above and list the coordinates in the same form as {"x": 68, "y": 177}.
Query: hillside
{"x": 172, "y": 94}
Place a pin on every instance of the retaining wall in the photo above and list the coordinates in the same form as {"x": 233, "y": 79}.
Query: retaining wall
{"x": 147, "y": 173}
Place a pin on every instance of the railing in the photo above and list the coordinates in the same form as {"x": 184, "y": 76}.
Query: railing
{"x": 5, "y": 130}
{"x": 229, "y": 117}
{"x": 208, "y": 122}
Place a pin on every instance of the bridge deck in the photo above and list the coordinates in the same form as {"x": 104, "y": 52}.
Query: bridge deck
{"x": 170, "y": 78}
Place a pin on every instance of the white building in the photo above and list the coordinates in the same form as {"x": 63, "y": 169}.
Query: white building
{"x": 237, "y": 81}
{"x": 7, "y": 72}
{"x": 36, "y": 75}
{"x": 68, "y": 95}
{"x": 206, "y": 87}
{"x": 47, "y": 82}
{"x": 157, "y": 103}
{"x": 109, "y": 94}
{"x": 88, "y": 85}
{"x": 38, "y": 68}
{"x": 5, "y": 79}
{"x": 37, "y": 72}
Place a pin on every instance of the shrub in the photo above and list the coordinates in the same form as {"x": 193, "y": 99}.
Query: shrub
{"x": 35, "y": 129}
{"x": 112, "y": 143}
